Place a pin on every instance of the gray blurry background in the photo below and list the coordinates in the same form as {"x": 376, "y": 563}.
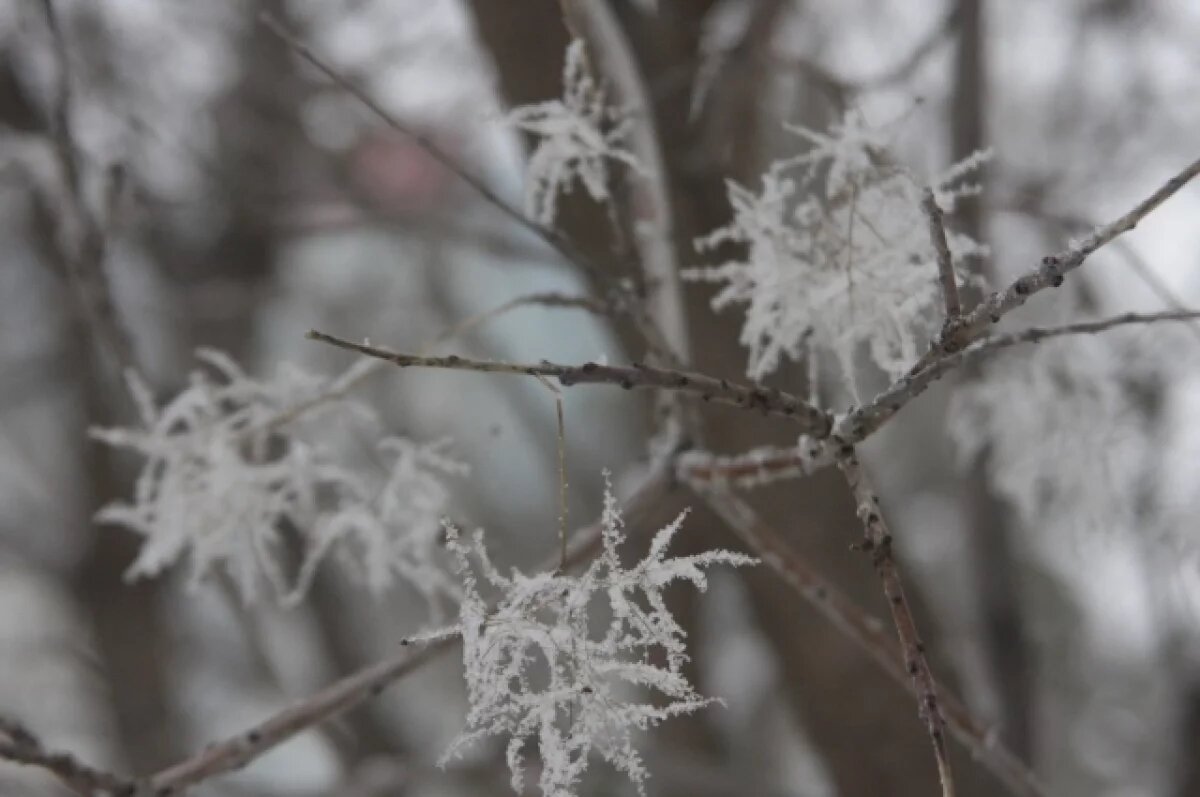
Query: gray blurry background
{"x": 260, "y": 200}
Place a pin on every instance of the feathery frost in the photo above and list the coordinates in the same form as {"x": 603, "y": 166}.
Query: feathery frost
{"x": 836, "y": 253}
{"x": 539, "y": 672}
{"x": 1060, "y": 430}
{"x": 233, "y": 467}
{"x": 576, "y": 136}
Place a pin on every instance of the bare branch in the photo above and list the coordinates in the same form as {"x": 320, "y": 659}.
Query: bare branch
{"x": 719, "y": 391}
{"x": 865, "y": 421}
{"x": 877, "y": 542}
{"x": 235, "y": 753}
{"x": 937, "y": 236}
{"x": 755, "y": 468}
{"x": 20, "y": 746}
{"x": 867, "y": 633}
{"x": 1050, "y": 273}
{"x": 1129, "y": 254}
{"x": 82, "y": 235}
{"x": 1035, "y": 334}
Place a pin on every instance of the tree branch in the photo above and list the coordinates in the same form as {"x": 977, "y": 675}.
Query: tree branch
{"x": 755, "y": 468}
{"x": 1050, "y": 273}
{"x": 82, "y": 238}
{"x": 937, "y": 236}
{"x": 860, "y": 424}
{"x": 877, "y": 542}
{"x": 866, "y": 632}
{"x": 719, "y": 391}
{"x": 20, "y": 746}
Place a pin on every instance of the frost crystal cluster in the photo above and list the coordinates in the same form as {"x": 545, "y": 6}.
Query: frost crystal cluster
{"x": 571, "y": 663}
{"x": 576, "y": 136}
{"x": 234, "y": 468}
{"x": 835, "y": 253}
{"x": 1059, "y": 428}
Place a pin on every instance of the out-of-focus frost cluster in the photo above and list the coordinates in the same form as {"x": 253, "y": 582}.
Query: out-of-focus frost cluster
{"x": 576, "y": 137}
{"x": 234, "y": 468}
{"x": 1059, "y": 425}
{"x": 834, "y": 253}
{"x": 537, "y": 670}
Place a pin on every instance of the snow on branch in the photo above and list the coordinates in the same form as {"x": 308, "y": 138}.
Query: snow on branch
{"x": 231, "y": 470}
{"x": 538, "y": 670}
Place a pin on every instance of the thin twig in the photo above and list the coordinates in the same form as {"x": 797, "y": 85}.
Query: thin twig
{"x": 20, "y": 746}
{"x": 867, "y": 633}
{"x": 619, "y": 297}
{"x": 561, "y": 446}
{"x": 562, "y": 482}
{"x": 82, "y": 235}
{"x": 860, "y": 424}
{"x": 755, "y": 468}
{"x": 945, "y": 263}
{"x": 547, "y": 299}
{"x": 444, "y": 158}
{"x": 719, "y": 391}
{"x": 1129, "y": 253}
{"x": 1036, "y": 334}
{"x": 877, "y": 542}
{"x": 235, "y": 753}
{"x": 342, "y": 385}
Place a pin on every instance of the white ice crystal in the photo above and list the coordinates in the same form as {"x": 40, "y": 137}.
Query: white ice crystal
{"x": 836, "y": 254}
{"x": 539, "y": 672}
{"x": 577, "y": 137}
{"x": 233, "y": 468}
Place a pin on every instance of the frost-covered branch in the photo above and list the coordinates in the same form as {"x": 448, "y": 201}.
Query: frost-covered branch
{"x": 769, "y": 401}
